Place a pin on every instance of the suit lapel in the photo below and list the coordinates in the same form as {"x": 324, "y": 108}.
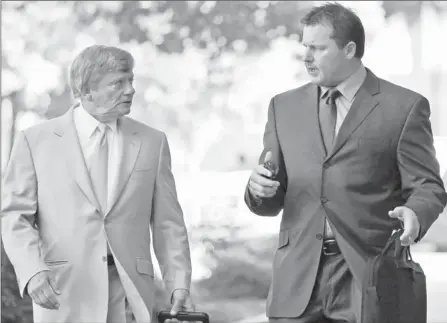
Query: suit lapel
{"x": 362, "y": 106}
{"x": 311, "y": 100}
{"x": 74, "y": 156}
{"x": 131, "y": 144}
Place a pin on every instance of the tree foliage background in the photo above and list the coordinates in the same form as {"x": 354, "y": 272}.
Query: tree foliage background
{"x": 202, "y": 68}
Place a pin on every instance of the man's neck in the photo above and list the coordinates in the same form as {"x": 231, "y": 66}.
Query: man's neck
{"x": 351, "y": 69}
{"x": 103, "y": 119}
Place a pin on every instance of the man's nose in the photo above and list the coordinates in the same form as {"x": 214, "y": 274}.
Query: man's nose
{"x": 129, "y": 89}
{"x": 308, "y": 57}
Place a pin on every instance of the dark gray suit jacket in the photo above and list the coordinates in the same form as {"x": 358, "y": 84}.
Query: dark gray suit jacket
{"x": 383, "y": 157}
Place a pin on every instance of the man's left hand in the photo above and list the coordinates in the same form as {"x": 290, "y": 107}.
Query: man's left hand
{"x": 410, "y": 222}
{"x": 181, "y": 301}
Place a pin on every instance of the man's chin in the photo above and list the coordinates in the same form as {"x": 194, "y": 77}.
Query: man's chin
{"x": 315, "y": 79}
{"x": 125, "y": 107}
{"x": 112, "y": 117}
{"x": 126, "y": 111}
{"x": 319, "y": 82}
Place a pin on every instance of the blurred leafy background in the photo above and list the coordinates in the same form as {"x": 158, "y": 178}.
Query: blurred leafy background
{"x": 205, "y": 71}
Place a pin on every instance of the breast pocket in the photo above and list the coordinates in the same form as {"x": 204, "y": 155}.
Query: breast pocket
{"x": 145, "y": 173}
{"x": 52, "y": 263}
{"x": 372, "y": 150}
{"x": 368, "y": 146}
{"x": 374, "y": 157}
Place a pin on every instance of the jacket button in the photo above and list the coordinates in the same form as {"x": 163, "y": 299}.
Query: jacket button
{"x": 319, "y": 236}
{"x": 324, "y": 200}
{"x": 104, "y": 258}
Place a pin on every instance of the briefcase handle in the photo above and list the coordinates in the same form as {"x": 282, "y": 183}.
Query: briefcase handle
{"x": 400, "y": 251}
{"x": 183, "y": 316}
{"x": 391, "y": 241}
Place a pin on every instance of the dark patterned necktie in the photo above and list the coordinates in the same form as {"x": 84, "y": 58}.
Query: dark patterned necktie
{"x": 328, "y": 117}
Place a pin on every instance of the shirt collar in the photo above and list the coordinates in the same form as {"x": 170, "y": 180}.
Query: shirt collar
{"x": 89, "y": 123}
{"x": 349, "y": 87}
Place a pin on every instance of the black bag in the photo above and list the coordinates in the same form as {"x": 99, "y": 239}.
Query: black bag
{"x": 394, "y": 287}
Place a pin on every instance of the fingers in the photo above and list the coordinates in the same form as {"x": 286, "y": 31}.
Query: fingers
{"x": 38, "y": 299}
{"x": 45, "y": 298}
{"x": 44, "y": 294}
{"x": 406, "y": 240}
{"x": 410, "y": 224}
{"x": 176, "y": 307}
{"x": 189, "y": 306}
{"x": 397, "y": 213}
{"x": 53, "y": 285}
{"x": 50, "y": 298}
{"x": 261, "y": 191}
{"x": 408, "y": 236}
{"x": 268, "y": 156}
{"x": 181, "y": 304}
{"x": 262, "y": 172}
{"x": 260, "y": 186}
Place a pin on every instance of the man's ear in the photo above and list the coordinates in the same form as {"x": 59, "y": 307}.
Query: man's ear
{"x": 350, "y": 49}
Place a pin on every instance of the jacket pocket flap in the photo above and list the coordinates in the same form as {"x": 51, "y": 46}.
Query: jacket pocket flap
{"x": 55, "y": 262}
{"x": 283, "y": 238}
{"x": 143, "y": 168}
{"x": 144, "y": 266}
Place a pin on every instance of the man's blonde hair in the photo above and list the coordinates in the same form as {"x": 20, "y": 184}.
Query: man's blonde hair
{"x": 90, "y": 65}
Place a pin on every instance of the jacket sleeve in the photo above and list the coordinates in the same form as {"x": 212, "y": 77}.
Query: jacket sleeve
{"x": 18, "y": 213}
{"x": 170, "y": 236}
{"x": 270, "y": 206}
{"x": 422, "y": 185}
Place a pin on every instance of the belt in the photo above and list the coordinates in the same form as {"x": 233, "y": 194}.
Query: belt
{"x": 110, "y": 260}
{"x": 330, "y": 247}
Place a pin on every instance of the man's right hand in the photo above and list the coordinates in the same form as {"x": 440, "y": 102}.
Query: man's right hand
{"x": 259, "y": 185}
{"x": 43, "y": 291}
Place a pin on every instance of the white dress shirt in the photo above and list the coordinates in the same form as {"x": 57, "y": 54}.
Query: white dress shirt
{"x": 88, "y": 135}
{"x": 348, "y": 89}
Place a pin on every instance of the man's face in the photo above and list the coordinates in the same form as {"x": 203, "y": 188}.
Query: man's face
{"x": 111, "y": 98}
{"x": 324, "y": 61}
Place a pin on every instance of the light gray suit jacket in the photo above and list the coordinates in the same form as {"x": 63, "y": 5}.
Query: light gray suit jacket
{"x": 51, "y": 218}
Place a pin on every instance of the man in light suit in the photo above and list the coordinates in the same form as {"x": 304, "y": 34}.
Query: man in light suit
{"x": 83, "y": 196}
{"x": 353, "y": 160}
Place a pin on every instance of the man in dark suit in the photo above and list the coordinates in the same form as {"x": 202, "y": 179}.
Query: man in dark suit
{"x": 354, "y": 160}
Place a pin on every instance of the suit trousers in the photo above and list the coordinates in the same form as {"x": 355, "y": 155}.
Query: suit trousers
{"x": 335, "y": 297}
{"x": 116, "y": 312}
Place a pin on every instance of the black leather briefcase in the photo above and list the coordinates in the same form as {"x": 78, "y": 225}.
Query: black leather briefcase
{"x": 394, "y": 287}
